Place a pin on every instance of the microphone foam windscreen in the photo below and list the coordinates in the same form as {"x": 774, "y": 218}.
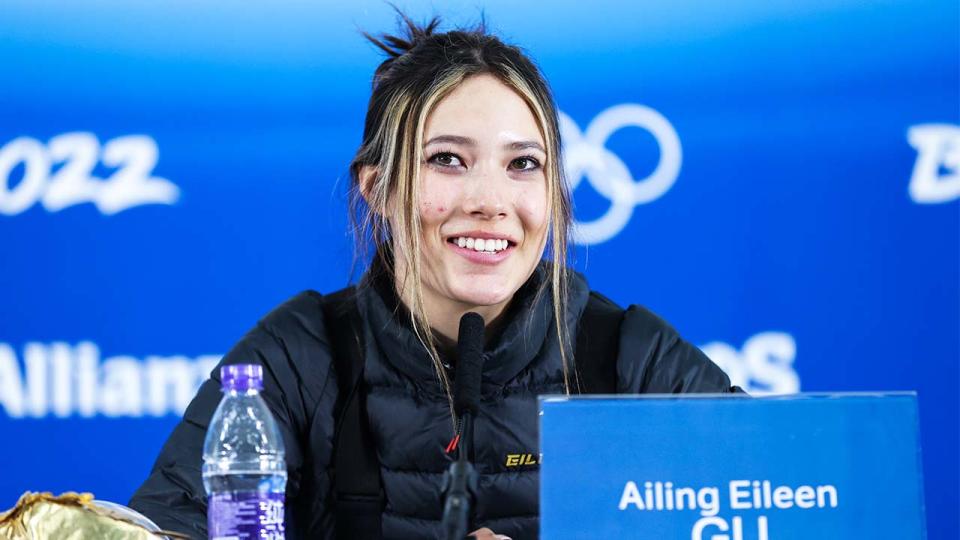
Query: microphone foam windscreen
{"x": 469, "y": 363}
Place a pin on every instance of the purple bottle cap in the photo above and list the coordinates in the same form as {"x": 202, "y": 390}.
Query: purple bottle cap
{"x": 241, "y": 377}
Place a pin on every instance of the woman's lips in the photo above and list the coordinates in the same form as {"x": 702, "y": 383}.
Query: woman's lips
{"x": 482, "y": 257}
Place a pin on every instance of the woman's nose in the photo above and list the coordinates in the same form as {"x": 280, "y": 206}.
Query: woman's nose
{"x": 485, "y": 197}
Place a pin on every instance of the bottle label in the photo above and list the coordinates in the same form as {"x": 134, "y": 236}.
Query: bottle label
{"x": 245, "y": 515}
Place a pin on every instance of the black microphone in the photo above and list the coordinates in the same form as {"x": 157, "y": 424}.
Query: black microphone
{"x": 460, "y": 481}
{"x": 466, "y": 384}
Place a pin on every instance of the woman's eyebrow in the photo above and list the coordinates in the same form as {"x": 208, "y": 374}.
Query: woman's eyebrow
{"x": 452, "y": 139}
{"x": 523, "y": 145}
{"x": 467, "y": 141}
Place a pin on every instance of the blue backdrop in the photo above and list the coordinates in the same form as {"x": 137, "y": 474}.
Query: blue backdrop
{"x": 780, "y": 180}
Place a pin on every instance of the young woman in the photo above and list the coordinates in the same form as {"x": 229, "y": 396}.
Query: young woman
{"x": 459, "y": 192}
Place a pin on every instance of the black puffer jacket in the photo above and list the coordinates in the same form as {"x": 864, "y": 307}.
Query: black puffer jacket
{"x": 408, "y": 411}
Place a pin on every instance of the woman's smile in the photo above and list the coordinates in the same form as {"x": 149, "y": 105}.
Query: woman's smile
{"x": 482, "y": 248}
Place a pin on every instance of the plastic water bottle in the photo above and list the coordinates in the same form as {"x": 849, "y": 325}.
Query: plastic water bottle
{"x": 244, "y": 471}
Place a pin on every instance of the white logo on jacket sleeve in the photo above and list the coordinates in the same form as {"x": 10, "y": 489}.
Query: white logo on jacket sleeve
{"x": 936, "y": 173}
{"x": 763, "y": 366}
{"x": 586, "y": 156}
{"x": 132, "y": 157}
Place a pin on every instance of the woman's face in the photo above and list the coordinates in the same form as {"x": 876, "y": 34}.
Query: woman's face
{"x": 483, "y": 198}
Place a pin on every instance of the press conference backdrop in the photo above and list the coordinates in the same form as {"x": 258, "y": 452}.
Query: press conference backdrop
{"x": 779, "y": 180}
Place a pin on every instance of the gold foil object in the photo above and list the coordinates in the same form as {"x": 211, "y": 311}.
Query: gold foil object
{"x": 71, "y": 516}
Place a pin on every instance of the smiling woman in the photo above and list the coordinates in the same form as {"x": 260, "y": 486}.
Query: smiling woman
{"x": 460, "y": 206}
{"x": 483, "y": 211}
{"x": 485, "y": 165}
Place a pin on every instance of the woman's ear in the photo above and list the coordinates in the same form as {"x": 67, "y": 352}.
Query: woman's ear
{"x": 366, "y": 177}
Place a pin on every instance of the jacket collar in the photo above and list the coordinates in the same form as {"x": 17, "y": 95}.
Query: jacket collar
{"x": 527, "y": 326}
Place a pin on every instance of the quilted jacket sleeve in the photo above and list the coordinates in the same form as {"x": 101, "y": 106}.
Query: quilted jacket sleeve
{"x": 291, "y": 345}
{"x": 653, "y": 358}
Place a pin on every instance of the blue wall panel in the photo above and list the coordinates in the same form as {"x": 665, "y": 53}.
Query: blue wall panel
{"x": 808, "y": 236}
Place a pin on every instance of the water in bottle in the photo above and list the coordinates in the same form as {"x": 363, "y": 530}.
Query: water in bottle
{"x": 244, "y": 471}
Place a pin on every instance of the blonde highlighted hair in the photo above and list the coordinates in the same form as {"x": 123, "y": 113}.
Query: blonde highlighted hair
{"x": 424, "y": 66}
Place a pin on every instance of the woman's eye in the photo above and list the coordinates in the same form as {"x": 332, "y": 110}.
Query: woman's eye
{"x": 524, "y": 164}
{"x": 446, "y": 159}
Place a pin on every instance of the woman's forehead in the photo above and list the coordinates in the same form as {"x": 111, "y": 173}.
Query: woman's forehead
{"x": 482, "y": 110}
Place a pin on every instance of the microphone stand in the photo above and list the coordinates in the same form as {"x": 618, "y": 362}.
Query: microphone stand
{"x": 460, "y": 481}
{"x": 460, "y": 485}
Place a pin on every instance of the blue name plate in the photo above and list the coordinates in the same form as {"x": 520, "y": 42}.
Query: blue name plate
{"x": 731, "y": 468}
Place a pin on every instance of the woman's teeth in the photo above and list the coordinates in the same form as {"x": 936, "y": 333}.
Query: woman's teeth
{"x": 479, "y": 244}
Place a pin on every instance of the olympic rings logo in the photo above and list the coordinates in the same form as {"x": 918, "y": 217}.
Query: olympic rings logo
{"x": 585, "y": 156}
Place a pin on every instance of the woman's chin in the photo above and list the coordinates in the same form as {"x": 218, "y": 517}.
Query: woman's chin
{"x": 482, "y": 294}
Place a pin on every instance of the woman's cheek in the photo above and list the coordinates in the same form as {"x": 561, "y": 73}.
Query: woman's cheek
{"x": 531, "y": 205}
{"x": 436, "y": 200}
{"x": 432, "y": 211}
